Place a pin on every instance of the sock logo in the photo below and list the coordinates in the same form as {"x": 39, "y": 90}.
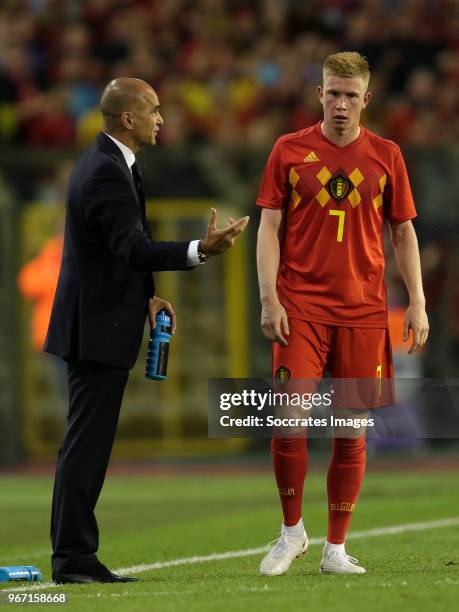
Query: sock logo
{"x": 343, "y": 506}
{"x": 287, "y": 492}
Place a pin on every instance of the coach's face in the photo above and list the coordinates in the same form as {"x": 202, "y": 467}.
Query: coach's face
{"x": 145, "y": 119}
{"x": 343, "y": 100}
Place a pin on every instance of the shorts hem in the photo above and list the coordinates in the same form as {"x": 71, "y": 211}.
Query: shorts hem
{"x": 338, "y": 323}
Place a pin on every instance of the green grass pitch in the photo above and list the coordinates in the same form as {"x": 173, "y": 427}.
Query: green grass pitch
{"x": 147, "y": 519}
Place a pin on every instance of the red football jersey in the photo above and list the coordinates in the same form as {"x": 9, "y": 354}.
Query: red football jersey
{"x": 335, "y": 200}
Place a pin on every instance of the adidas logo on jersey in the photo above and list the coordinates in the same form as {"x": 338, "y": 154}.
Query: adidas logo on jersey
{"x": 311, "y": 157}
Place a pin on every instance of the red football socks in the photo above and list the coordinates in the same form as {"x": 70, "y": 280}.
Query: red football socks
{"x": 290, "y": 462}
{"x": 345, "y": 475}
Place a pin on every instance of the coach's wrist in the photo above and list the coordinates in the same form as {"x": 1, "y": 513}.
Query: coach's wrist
{"x": 203, "y": 254}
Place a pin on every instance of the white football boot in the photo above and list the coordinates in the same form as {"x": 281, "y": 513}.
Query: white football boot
{"x": 283, "y": 551}
{"x": 335, "y": 560}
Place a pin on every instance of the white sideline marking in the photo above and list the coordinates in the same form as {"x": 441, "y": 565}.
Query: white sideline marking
{"x": 233, "y": 554}
{"x": 33, "y": 587}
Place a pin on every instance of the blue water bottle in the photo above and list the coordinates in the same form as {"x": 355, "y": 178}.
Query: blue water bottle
{"x": 20, "y": 572}
{"x": 158, "y": 347}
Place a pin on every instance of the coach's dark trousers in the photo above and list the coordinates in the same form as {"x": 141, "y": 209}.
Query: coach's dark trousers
{"x": 95, "y": 395}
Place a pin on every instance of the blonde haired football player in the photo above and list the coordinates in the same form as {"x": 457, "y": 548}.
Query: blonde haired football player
{"x": 326, "y": 193}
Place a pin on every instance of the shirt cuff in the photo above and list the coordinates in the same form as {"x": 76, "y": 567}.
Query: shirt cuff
{"x": 192, "y": 258}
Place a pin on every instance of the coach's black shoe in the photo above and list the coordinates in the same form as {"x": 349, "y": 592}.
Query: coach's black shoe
{"x": 99, "y": 573}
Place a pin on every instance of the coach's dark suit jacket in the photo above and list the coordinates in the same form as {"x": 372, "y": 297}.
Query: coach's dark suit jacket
{"x": 105, "y": 279}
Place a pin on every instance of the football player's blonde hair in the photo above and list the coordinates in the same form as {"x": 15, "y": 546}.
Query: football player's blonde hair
{"x": 348, "y": 65}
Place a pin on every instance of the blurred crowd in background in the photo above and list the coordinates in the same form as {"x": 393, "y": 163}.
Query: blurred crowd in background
{"x": 231, "y": 72}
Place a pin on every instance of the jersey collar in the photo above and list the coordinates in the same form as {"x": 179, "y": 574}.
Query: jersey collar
{"x": 351, "y": 145}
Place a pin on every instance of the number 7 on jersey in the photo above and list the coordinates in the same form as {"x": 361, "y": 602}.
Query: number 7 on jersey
{"x": 341, "y": 215}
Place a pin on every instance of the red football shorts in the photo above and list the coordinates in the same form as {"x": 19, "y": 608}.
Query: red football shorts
{"x": 347, "y": 353}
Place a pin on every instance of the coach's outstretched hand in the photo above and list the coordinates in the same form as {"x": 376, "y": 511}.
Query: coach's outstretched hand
{"x": 220, "y": 240}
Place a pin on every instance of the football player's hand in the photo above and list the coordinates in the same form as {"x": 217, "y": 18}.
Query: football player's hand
{"x": 274, "y": 323}
{"x": 154, "y": 306}
{"x": 220, "y": 240}
{"x": 416, "y": 321}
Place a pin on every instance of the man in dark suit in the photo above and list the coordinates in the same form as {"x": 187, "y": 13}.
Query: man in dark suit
{"x": 104, "y": 293}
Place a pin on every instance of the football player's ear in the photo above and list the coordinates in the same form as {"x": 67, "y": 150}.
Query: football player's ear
{"x": 320, "y": 92}
{"x": 366, "y": 98}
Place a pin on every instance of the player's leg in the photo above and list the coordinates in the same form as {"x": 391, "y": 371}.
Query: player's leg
{"x": 344, "y": 479}
{"x": 304, "y": 358}
{"x": 356, "y": 354}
